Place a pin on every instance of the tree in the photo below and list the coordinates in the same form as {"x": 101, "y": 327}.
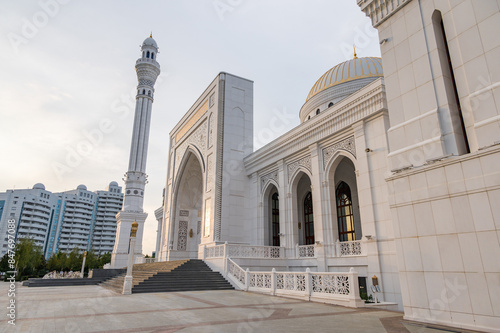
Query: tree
{"x": 92, "y": 261}
{"x": 29, "y": 259}
{"x": 75, "y": 258}
{"x": 104, "y": 259}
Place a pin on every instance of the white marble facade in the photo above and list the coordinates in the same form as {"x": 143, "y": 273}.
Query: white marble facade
{"x": 444, "y": 191}
{"x": 220, "y": 190}
{"x": 416, "y": 147}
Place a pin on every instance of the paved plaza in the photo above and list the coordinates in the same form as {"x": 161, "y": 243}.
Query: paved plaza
{"x": 96, "y": 309}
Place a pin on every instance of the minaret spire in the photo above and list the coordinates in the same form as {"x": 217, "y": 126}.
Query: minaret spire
{"x": 147, "y": 69}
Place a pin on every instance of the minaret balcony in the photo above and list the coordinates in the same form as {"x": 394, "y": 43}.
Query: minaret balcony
{"x": 147, "y": 61}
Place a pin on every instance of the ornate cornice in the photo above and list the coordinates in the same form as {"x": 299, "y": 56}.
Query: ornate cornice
{"x": 381, "y": 10}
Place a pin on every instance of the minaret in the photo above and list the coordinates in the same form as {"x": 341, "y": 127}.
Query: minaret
{"x": 147, "y": 69}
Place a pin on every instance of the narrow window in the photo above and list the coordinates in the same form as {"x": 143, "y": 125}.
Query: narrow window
{"x": 144, "y": 91}
{"x": 152, "y": 55}
{"x": 309, "y": 219}
{"x": 275, "y": 215}
{"x": 330, "y": 104}
{"x": 457, "y": 120}
{"x": 345, "y": 217}
{"x": 147, "y": 55}
{"x": 317, "y": 111}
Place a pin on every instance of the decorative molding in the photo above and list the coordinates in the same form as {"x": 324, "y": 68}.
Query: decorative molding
{"x": 380, "y": 10}
{"x": 220, "y": 157}
{"x": 211, "y": 132}
{"x": 194, "y": 118}
{"x": 303, "y": 162}
{"x": 265, "y": 178}
{"x": 210, "y": 177}
{"x": 346, "y": 144}
{"x": 197, "y": 139}
{"x": 182, "y": 237}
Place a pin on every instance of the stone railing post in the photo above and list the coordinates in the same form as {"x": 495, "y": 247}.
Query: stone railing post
{"x": 273, "y": 281}
{"x": 337, "y": 249}
{"x": 247, "y": 279}
{"x": 297, "y": 250}
{"x": 308, "y": 284}
{"x": 225, "y": 249}
{"x": 353, "y": 287}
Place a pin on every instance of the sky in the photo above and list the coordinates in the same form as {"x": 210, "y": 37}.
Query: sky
{"x": 67, "y": 78}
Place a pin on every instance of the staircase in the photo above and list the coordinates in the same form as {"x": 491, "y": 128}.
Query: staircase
{"x": 140, "y": 273}
{"x": 170, "y": 276}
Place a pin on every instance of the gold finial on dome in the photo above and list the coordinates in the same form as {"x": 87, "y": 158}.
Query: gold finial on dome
{"x": 354, "y": 47}
{"x": 151, "y": 35}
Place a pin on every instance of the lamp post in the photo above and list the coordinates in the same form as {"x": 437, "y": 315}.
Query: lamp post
{"x": 127, "y": 284}
{"x": 83, "y": 263}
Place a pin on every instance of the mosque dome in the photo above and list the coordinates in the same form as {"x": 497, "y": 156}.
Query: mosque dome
{"x": 339, "y": 82}
{"x": 150, "y": 42}
{"x": 39, "y": 186}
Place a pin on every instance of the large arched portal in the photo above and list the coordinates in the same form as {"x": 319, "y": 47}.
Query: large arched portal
{"x": 188, "y": 207}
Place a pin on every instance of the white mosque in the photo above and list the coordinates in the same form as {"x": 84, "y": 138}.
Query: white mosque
{"x": 392, "y": 173}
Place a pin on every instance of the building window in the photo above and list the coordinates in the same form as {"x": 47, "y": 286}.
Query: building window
{"x": 309, "y": 219}
{"x": 147, "y": 55}
{"x": 345, "y": 217}
{"x": 330, "y": 104}
{"x": 456, "y": 115}
{"x": 149, "y": 93}
{"x": 275, "y": 216}
{"x": 144, "y": 91}
{"x": 317, "y": 111}
{"x": 152, "y": 55}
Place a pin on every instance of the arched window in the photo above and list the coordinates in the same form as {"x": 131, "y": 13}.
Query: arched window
{"x": 152, "y": 55}
{"x": 149, "y": 93}
{"x": 309, "y": 219}
{"x": 344, "y": 213}
{"x": 147, "y": 55}
{"x": 330, "y": 104}
{"x": 308, "y": 117}
{"x": 275, "y": 218}
{"x": 317, "y": 111}
{"x": 144, "y": 91}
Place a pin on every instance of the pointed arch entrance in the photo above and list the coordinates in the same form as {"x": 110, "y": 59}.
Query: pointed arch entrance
{"x": 346, "y": 219}
{"x": 188, "y": 203}
{"x": 302, "y": 209}
{"x": 271, "y": 230}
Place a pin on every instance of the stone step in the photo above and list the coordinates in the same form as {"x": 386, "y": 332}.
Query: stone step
{"x": 188, "y": 275}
